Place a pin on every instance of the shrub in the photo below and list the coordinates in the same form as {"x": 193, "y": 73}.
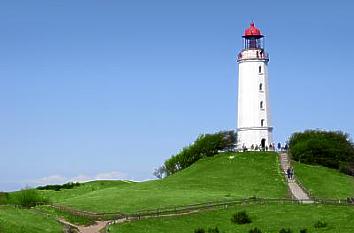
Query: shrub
{"x": 320, "y": 224}
{"x": 27, "y": 198}
{"x": 241, "y": 218}
{"x": 331, "y": 149}
{"x": 283, "y": 230}
{"x": 199, "y": 230}
{"x": 205, "y": 145}
{"x": 213, "y": 230}
{"x": 303, "y": 230}
{"x": 3, "y": 198}
{"x": 347, "y": 168}
{"x": 255, "y": 230}
{"x": 58, "y": 187}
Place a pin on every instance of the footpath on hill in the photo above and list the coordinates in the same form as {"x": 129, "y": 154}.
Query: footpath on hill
{"x": 95, "y": 228}
{"x": 297, "y": 192}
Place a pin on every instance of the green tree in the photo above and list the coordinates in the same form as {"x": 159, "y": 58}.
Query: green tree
{"x": 205, "y": 145}
{"x": 332, "y": 149}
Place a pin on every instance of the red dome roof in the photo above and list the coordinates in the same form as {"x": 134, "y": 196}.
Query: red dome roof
{"x": 252, "y": 31}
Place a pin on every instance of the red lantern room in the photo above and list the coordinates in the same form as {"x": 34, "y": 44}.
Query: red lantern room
{"x": 253, "y": 38}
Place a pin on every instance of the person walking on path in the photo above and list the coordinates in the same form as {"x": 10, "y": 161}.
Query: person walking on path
{"x": 297, "y": 192}
{"x": 288, "y": 173}
{"x": 292, "y": 173}
{"x": 286, "y": 147}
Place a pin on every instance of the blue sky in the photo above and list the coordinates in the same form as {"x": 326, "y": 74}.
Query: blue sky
{"x": 110, "y": 89}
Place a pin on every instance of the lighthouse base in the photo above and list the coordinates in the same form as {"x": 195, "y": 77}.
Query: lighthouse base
{"x": 251, "y": 138}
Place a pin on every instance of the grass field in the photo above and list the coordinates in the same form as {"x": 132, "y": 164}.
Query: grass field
{"x": 84, "y": 188}
{"x": 215, "y": 178}
{"x": 15, "y": 220}
{"x": 270, "y": 218}
{"x": 324, "y": 182}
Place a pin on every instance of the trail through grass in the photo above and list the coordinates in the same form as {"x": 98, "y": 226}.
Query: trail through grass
{"x": 58, "y": 214}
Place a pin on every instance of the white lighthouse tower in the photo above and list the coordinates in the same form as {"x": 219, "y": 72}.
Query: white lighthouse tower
{"x": 254, "y": 118}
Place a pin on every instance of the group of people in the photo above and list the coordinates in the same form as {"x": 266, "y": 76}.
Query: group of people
{"x": 290, "y": 173}
{"x": 271, "y": 147}
{"x": 282, "y": 148}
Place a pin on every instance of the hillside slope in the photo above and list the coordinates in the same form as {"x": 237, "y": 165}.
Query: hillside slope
{"x": 267, "y": 217}
{"x": 17, "y": 220}
{"x": 229, "y": 175}
{"x": 84, "y": 188}
{"x": 324, "y": 182}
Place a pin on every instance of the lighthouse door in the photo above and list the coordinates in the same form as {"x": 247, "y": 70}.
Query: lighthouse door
{"x": 263, "y": 141}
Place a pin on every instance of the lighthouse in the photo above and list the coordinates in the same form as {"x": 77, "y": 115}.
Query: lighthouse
{"x": 254, "y": 117}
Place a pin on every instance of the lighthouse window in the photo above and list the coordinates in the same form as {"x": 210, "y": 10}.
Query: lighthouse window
{"x": 260, "y": 87}
{"x": 261, "y": 104}
{"x": 260, "y": 69}
{"x": 262, "y": 122}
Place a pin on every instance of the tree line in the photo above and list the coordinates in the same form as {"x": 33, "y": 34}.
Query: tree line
{"x": 332, "y": 149}
{"x": 206, "y": 145}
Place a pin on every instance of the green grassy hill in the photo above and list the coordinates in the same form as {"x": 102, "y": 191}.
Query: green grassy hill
{"x": 84, "y": 188}
{"x": 267, "y": 217}
{"x": 229, "y": 175}
{"x": 223, "y": 177}
{"x": 324, "y": 182}
{"x": 16, "y": 220}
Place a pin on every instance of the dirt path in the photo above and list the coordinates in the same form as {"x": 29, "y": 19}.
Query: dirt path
{"x": 95, "y": 228}
{"x": 295, "y": 189}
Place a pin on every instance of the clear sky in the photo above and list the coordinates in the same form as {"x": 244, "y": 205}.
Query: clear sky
{"x": 110, "y": 89}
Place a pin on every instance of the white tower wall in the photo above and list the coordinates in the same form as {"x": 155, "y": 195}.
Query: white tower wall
{"x": 254, "y": 116}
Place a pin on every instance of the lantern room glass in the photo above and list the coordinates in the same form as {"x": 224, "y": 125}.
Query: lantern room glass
{"x": 253, "y": 42}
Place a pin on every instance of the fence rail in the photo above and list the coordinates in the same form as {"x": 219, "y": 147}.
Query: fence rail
{"x": 116, "y": 217}
{"x": 190, "y": 208}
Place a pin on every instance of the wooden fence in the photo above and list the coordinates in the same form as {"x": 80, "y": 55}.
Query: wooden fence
{"x": 117, "y": 217}
{"x": 176, "y": 210}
